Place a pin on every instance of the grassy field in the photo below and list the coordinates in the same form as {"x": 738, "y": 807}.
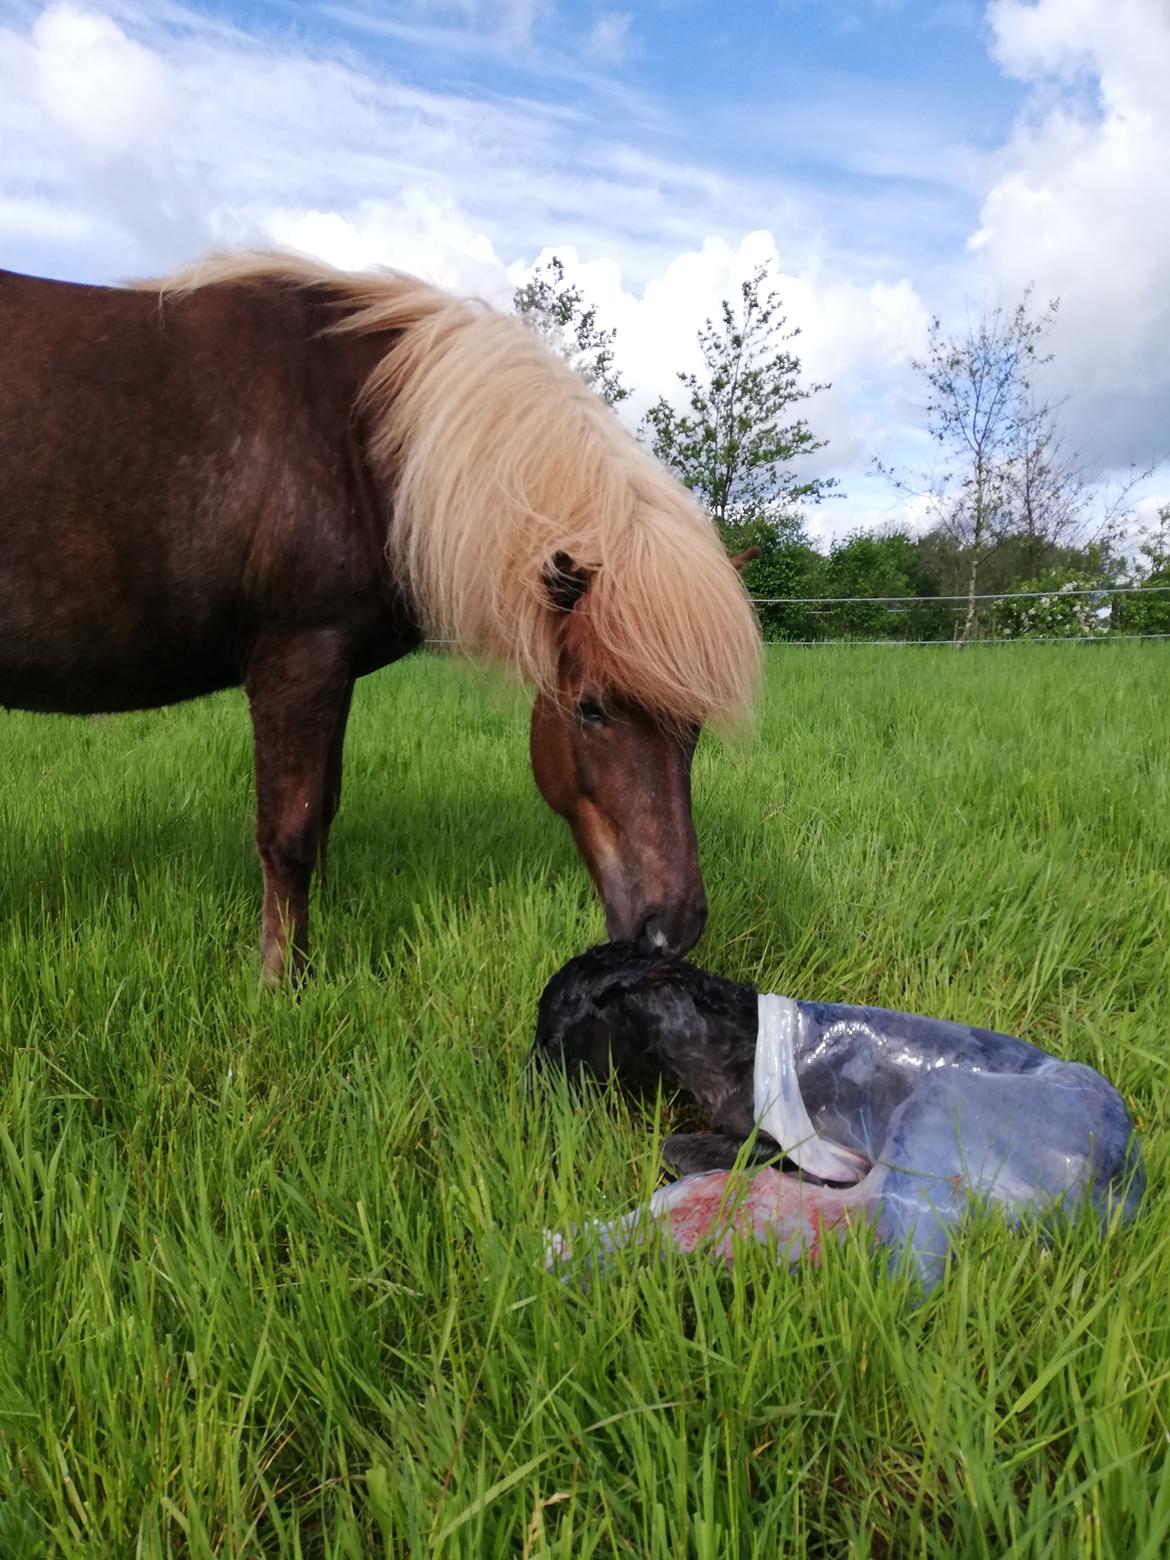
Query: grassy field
{"x": 271, "y": 1270}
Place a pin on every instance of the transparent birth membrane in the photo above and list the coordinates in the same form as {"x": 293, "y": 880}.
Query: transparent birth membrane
{"x": 899, "y": 1122}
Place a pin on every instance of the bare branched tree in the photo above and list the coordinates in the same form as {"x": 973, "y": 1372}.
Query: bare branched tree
{"x": 1006, "y": 472}
{"x": 981, "y": 413}
{"x": 1057, "y": 498}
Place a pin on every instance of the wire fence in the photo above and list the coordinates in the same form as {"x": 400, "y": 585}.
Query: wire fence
{"x": 1058, "y": 592}
{"x": 959, "y": 644}
{"x": 1072, "y": 613}
{"x": 1094, "y": 614}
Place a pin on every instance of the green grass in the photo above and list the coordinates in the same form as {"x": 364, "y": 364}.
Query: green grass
{"x": 271, "y": 1270}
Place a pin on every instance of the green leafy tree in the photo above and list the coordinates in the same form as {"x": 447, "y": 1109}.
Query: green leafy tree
{"x": 882, "y": 564}
{"x": 1018, "y": 558}
{"x": 563, "y": 317}
{"x": 736, "y": 441}
{"x": 786, "y": 565}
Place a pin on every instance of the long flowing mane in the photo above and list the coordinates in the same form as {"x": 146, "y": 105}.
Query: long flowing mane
{"x": 499, "y": 458}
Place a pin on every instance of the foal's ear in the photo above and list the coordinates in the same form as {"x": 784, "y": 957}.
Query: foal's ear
{"x": 741, "y": 560}
{"x": 565, "y": 582}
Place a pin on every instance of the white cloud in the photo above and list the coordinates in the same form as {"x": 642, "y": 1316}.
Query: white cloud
{"x": 1079, "y": 206}
{"x": 133, "y": 134}
{"x": 419, "y": 232}
{"x": 164, "y": 134}
{"x": 28, "y": 217}
{"x": 106, "y": 91}
{"x": 132, "y": 146}
{"x": 510, "y": 23}
{"x": 1147, "y": 508}
{"x": 859, "y": 336}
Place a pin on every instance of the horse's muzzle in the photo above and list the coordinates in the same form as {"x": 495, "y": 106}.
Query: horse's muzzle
{"x": 669, "y": 930}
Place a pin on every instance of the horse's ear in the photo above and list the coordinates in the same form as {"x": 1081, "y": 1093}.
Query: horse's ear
{"x": 565, "y": 582}
{"x": 739, "y": 562}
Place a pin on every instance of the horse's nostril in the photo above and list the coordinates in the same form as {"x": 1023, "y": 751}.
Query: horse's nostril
{"x": 695, "y": 920}
{"x": 652, "y": 935}
{"x": 672, "y": 931}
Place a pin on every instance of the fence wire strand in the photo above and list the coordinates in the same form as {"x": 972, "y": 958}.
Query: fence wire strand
{"x": 970, "y": 644}
{"x": 820, "y": 607}
{"x": 823, "y": 606}
{"x": 991, "y": 595}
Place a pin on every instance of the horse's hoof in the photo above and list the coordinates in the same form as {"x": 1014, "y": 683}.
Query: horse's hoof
{"x": 280, "y": 970}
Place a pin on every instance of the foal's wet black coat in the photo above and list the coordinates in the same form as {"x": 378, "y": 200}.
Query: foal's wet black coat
{"x": 645, "y": 1020}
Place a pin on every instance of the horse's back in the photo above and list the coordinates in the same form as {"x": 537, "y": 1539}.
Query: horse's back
{"x": 173, "y": 472}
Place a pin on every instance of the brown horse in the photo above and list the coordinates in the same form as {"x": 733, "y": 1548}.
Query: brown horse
{"x": 266, "y": 472}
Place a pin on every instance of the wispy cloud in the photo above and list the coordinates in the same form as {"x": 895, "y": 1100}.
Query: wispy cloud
{"x": 609, "y": 38}
{"x": 512, "y": 21}
{"x": 160, "y": 134}
{"x": 545, "y": 59}
{"x": 132, "y": 143}
{"x": 163, "y": 134}
{"x": 461, "y": 140}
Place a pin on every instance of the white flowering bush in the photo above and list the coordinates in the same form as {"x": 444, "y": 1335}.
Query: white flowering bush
{"x": 1147, "y": 611}
{"x": 1052, "y": 610}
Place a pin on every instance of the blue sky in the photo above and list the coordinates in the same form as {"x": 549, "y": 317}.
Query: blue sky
{"x": 892, "y": 159}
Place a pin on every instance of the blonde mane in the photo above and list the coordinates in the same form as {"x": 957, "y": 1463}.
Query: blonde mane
{"x": 499, "y": 458}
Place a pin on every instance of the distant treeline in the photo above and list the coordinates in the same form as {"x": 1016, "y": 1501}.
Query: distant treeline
{"x": 932, "y": 567}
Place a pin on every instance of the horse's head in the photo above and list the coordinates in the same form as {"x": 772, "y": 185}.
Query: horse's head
{"x": 621, "y": 778}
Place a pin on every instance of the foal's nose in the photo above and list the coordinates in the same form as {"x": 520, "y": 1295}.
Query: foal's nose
{"x": 672, "y": 930}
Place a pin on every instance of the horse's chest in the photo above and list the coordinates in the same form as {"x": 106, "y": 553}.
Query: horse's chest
{"x": 382, "y": 640}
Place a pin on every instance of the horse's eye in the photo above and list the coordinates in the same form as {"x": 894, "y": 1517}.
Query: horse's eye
{"x": 590, "y": 713}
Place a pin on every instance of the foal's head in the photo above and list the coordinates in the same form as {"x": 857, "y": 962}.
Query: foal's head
{"x": 651, "y": 1020}
{"x": 620, "y": 775}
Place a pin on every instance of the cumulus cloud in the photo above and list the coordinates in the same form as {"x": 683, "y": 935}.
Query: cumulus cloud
{"x": 134, "y": 134}
{"x": 130, "y": 145}
{"x": 422, "y": 233}
{"x": 860, "y": 337}
{"x": 108, "y": 93}
{"x": 1079, "y": 206}
{"x": 161, "y": 130}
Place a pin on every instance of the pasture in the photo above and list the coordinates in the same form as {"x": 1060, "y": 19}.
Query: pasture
{"x": 271, "y": 1269}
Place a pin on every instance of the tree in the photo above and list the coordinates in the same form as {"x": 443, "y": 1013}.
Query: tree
{"x": 943, "y": 563}
{"x": 734, "y": 445}
{"x": 560, "y": 314}
{"x": 785, "y": 564}
{"x": 981, "y": 413}
{"x": 1060, "y": 506}
{"x": 1007, "y": 482}
{"x": 882, "y": 564}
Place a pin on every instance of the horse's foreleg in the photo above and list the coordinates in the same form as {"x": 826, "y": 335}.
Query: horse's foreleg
{"x": 333, "y": 782}
{"x": 297, "y": 688}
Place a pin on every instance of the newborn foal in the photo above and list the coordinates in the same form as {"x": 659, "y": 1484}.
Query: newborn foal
{"x": 913, "y": 1117}
{"x": 644, "y": 1020}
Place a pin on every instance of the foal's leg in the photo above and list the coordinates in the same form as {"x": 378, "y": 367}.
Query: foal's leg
{"x": 333, "y": 782}
{"x": 297, "y": 687}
